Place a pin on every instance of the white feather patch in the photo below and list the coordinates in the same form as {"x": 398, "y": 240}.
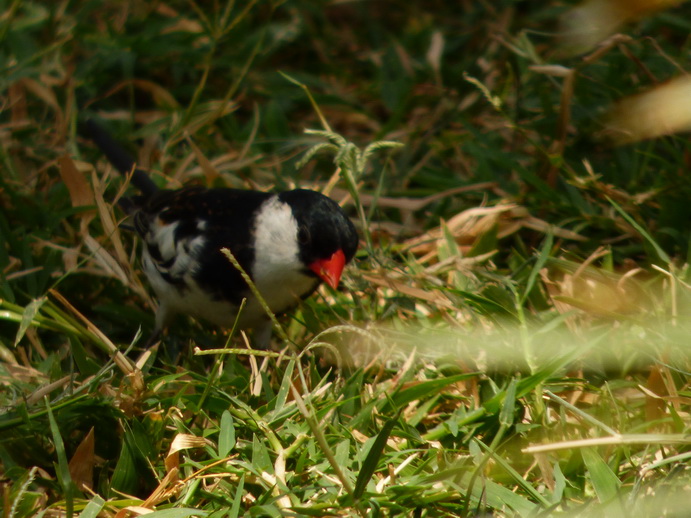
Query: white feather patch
{"x": 277, "y": 270}
{"x": 163, "y": 236}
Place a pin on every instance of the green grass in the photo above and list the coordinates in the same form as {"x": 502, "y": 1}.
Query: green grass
{"x": 511, "y": 340}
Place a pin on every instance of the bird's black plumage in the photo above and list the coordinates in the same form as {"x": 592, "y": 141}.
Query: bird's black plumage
{"x": 287, "y": 242}
{"x": 117, "y": 156}
{"x": 223, "y": 214}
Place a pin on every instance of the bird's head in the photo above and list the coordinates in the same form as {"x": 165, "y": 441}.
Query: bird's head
{"x": 327, "y": 239}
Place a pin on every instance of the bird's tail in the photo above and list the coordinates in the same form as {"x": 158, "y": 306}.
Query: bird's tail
{"x": 119, "y": 157}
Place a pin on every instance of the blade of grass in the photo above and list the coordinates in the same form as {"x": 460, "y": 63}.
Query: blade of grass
{"x": 63, "y": 470}
{"x": 371, "y": 462}
{"x": 321, "y": 440}
{"x": 226, "y": 435}
{"x": 605, "y": 482}
{"x": 93, "y": 508}
{"x": 661, "y": 254}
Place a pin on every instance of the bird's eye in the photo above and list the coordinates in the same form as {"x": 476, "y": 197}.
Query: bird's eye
{"x": 303, "y": 235}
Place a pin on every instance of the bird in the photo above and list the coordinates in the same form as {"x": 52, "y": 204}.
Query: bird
{"x": 288, "y": 243}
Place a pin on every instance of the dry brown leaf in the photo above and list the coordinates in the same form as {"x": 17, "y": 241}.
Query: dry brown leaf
{"x": 81, "y": 465}
{"x": 655, "y": 406}
{"x": 75, "y": 181}
{"x": 165, "y": 489}
{"x": 110, "y": 266}
{"x": 544, "y": 227}
{"x": 185, "y": 441}
{"x": 415, "y": 204}
{"x": 434, "y": 297}
{"x": 465, "y": 227}
{"x": 546, "y": 469}
{"x": 470, "y": 224}
{"x": 161, "y": 96}
{"x": 44, "y": 390}
{"x": 182, "y": 441}
{"x": 110, "y": 227}
{"x": 42, "y": 92}
{"x": 21, "y": 373}
{"x": 18, "y": 107}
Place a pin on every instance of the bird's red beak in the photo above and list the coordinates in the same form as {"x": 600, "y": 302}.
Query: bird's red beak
{"x": 329, "y": 270}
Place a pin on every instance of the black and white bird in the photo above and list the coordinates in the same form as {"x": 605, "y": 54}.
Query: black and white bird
{"x": 288, "y": 243}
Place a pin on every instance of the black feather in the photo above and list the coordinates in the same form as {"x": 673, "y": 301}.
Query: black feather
{"x": 119, "y": 157}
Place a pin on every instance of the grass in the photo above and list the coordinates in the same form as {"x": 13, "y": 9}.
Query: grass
{"x": 511, "y": 340}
